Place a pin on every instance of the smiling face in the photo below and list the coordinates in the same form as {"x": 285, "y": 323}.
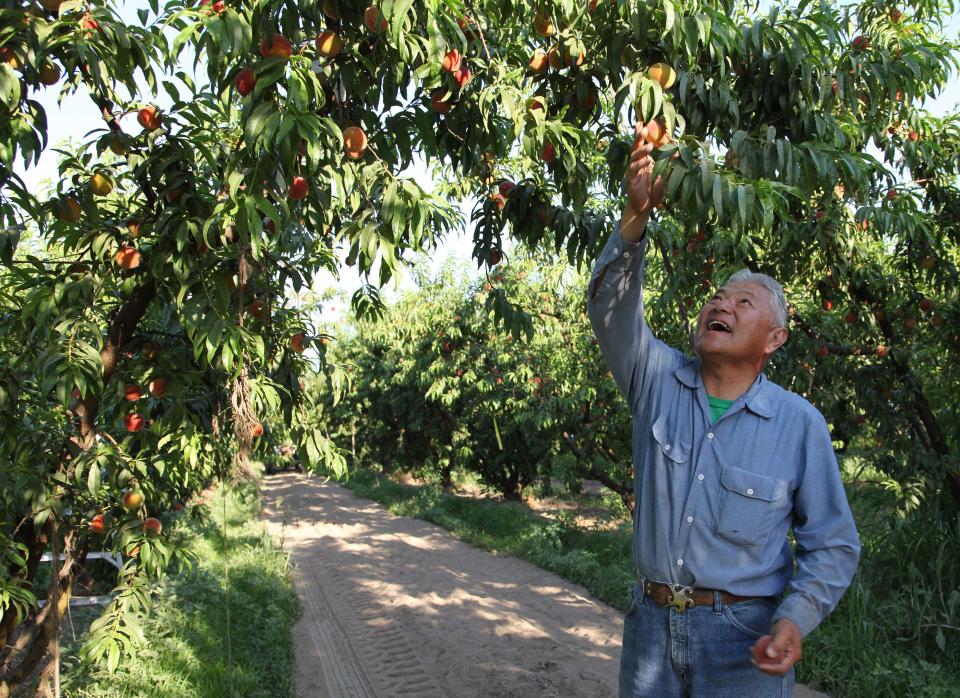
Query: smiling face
{"x": 737, "y": 325}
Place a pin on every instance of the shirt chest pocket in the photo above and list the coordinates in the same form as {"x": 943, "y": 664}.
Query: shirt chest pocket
{"x": 747, "y": 505}
{"x": 669, "y": 445}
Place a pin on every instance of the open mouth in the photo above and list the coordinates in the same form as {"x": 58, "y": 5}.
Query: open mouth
{"x": 718, "y": 326}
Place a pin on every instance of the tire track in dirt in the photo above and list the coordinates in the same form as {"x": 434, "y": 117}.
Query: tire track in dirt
{"x": 394, "y": 606}
{"x": 399, "y": 607}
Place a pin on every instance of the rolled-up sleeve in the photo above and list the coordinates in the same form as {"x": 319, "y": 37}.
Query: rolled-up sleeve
{"x": 827, "y": 543}
{"x": 615, "y": 307}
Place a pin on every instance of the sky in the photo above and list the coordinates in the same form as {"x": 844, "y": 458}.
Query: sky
{"x": 76, "y": 116}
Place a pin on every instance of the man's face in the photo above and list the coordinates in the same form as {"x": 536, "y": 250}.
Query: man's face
{"x": 737, "y": 323}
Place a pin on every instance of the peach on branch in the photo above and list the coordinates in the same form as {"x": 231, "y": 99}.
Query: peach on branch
{"x": 438, "y": 103}
{"x": 157, "y": 387}
{"x": 374, "y": 20}
{"x": 149, "y": 118}
{"x": 663, "y": 74}
{"x": 132, "y": 499}
{"x": 575, "y": 56}
{"x": 115, "y": 142}
{"x": 259, "y": 309}
{"x": 539, "y": 62}
{"x": 134, "y": 422}
{"x": 331, "y": 8}
{"x": 543, "y": 24}
{"x": 49, "y": 73}
{"x": 127, "y": 257}
{"x": 100, "y": 184}
{"x": 298, "y": 189}
{"x": 463, "y": 75}
{"x": 452, "y": 60}
{"x": 536, "y": 104}
{"x": 657, "y": 134}
{"x": 152, "y": 526}
{"x": 354, "y": 142}
{"x": 329, "y": 44}
{"x": 245, "y": 81}
{"x": 554, "y": 58}
{"x": 67, "y": 209}
{"x": 276, "y": 46}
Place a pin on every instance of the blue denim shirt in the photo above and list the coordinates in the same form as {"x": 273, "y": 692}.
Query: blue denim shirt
{"x": 714, "y": 501}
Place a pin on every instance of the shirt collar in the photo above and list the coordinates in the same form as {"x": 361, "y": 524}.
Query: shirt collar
{"x": 756, "y": 398}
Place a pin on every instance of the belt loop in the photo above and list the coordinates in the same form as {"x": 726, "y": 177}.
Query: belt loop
{"x": 717, "y": 603}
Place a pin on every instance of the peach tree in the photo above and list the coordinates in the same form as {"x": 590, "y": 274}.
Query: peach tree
{"x": 436, "y": 385}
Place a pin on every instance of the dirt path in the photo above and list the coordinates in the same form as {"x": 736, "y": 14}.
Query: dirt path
{"x": 399, "y": 607}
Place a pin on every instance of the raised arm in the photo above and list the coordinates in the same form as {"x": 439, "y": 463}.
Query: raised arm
{"x": 615, "y": 292}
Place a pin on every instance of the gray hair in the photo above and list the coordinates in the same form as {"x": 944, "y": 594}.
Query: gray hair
{"x": 778, "y": 302}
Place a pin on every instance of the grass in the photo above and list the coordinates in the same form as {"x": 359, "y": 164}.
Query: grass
{"x": 897, "y": 630}
{"x": 185, "y": 654}
{"x": 881, "y": 641}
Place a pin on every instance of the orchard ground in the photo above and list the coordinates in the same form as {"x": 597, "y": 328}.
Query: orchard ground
{"x": 397, "y": 606}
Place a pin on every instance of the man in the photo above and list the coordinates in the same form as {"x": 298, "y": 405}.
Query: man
{"x": 725, "y": 463}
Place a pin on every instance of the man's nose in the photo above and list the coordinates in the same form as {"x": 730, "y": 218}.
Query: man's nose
{"x": 724, "y": 304}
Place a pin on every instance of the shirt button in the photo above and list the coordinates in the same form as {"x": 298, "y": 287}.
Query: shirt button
{"x": 689, "y": 519}
{"x": 680, "y": 562}
{"x": 700, "y": 476}
{"x": 750, "y": 491}
{"x": 667, "y": 447}
{"x": 710, "y": 435}
{"x": 616, "y": 250}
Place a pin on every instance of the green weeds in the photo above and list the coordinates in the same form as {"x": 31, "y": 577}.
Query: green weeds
{"x": 186, "y": 653}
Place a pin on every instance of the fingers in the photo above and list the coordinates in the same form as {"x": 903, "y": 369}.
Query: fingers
{"x": 641, "y": 145}
{"x": 774, "y": 666}
{"x": 656, "y": 192}
{"x": 778, "y": 653}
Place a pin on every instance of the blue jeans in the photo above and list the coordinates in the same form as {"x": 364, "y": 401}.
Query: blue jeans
{"x": 702, "y": 652}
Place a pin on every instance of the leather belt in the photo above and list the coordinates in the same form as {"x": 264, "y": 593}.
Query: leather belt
{"x": 683, "y": 597}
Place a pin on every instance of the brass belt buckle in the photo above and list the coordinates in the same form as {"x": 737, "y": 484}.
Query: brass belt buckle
{"x": 680, "y": 597}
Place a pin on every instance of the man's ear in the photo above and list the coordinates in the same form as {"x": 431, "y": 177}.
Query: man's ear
{"x": 776, "y": 339}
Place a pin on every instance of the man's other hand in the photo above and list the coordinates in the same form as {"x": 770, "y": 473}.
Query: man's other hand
{"x": 776, "y": 653}
{"x": 642, "y": 196}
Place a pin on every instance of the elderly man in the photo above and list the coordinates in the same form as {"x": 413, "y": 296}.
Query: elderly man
{"x": 725, "y": 463}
